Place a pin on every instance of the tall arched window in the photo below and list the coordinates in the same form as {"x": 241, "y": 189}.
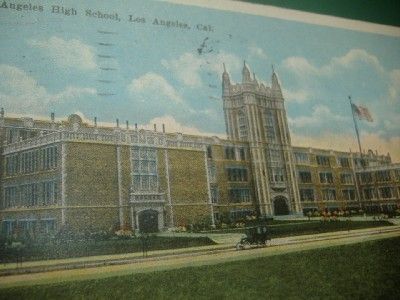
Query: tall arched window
{"x": 242, "y": 121}
{"x": 269, "y": 125}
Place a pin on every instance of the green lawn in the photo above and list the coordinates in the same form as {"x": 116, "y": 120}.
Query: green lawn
{"x": 367, "y": 270}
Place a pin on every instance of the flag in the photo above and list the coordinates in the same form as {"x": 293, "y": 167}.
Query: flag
{"x": 362, "y": 112}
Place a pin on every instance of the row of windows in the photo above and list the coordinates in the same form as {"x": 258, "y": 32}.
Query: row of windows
{"x": 325, "y": 177}
{"x": 237, "y": 174}
{"x": 322, "y": 160}
{"x": 10, "y": 227}
{"x": 327, "y": 194}
{"x": 380, "y": 176}
{"x": 32, "y": 161}
{"x": 383, "y": 192}
{"x": 32, "y": 194}
{"x": 239, "y": 195}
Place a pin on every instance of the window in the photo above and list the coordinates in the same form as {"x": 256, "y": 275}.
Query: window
{"x": 346, "y": 178}
{"x": 360, "y": 163}
{"x": 242, "y": 121}
{"x": 305, "y": 176}
{"x": 229, "y": 153}
{"x": 49, "y": 193}
{"x": 29, "y": 195}
{"x": 344, "y": 162}
{"x": 386, "y": 192}
{"x": 48, "y": 225}
{"x": 242, "y": 154}
{"x": 329, "y": 194}
{"x": 325, "y": 177}
{"x": 27, "y": 225}
{"x": 269, "y": 125}
{"x": 212, "y": 173}
{"x": 209, "y": 152}
{"x": 369, "y": 193}
{"x": 237, "y": 174}
{"x": 397, "y": 174}
{"x": 240, "y": 214}
{"x": 275, "y": 155}
{"x": 301, "y": 158}
{"x": 365, "y": 177}
{"x": 276, "y": 174}
{"x": 239, "y": 195}
{"x": 32, "y": 161}
{"x": 12, "y": 164}
{"x": 214, "y": 195}
{"x": 10, "y": 197}
{"x": 144, "y": 164}
{"x": 382, "y": 176}
{"x": 323, "y": 160}
{"x": 306, "y": 195}
{"x": 349, "y": 194}
{"x": 8, "y": 227}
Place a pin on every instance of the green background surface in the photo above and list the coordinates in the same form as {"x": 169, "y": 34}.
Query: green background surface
{"x": 376, "y": 11}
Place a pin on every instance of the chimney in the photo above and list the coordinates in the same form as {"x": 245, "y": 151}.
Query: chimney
{"x": 155, "y": 127}
{"x": 163, "y": 128}
{"x": 95, "y": 121}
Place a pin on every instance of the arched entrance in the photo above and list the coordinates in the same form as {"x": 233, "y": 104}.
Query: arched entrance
{"x": 280, "y": 206}
{"x": 148, "y": 221}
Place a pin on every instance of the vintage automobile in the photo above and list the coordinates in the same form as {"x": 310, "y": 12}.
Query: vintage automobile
{"x": 255, "y": 236}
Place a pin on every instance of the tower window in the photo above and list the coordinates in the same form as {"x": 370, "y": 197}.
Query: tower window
{"x": 269, "y": 125}
{"x": 242, "y": 121}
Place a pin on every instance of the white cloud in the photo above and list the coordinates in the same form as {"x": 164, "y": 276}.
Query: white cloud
{"x": 20, "y": 92}
{"x": 67, "y": 53}
{"x": 321, "y": 115}
{"x": 155, "y": 85}
{"x": 172, "y": 125}
{"x": 301, "y": 66}
{"x": 394, "y": 87}
{"x": 188, "y": 68}
{"x": 299, "y": 96}
{"x": 257, "y": 52}
{"x": 353, "y": 56}
{"x": 345, "y": 142}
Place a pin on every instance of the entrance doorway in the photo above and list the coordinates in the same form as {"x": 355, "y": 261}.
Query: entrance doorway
{"x": 148, "y": 221}
{"x": 280, "y": 206}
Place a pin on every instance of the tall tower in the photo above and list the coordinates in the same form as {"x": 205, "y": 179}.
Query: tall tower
{"x": 256, "y": 113}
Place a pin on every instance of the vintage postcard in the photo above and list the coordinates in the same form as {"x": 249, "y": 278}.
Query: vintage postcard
{"x": 141, "y": 136}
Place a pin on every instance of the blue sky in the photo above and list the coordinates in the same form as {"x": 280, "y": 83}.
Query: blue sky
{"x": 52, "y": 62}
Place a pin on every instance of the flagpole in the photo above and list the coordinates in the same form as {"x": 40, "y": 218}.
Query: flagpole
{"x": 355, "y": 127}
{"x": 360, "y": 193}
